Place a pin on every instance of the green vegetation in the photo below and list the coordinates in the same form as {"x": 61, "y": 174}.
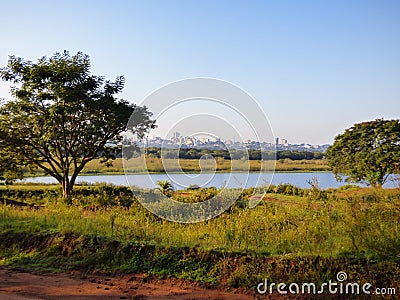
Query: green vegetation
{"x": 165, "y": 187}
{"x": 62, "y": 116}
{"x": 294, "y": 234}
{"x": 63, "y": 119}
{"x": 232, "y": 154}
{"x": 157, "y": 165}
{"x": 367, "y": 152}
{"x": 9, "y": 169}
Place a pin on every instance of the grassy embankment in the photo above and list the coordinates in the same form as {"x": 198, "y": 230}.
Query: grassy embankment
{"x": 155, "y": 165}
{"x": 293, "y": 235}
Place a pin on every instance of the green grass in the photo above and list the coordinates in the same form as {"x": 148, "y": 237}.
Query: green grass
{"x": 309, "y": 236}
{"x": 343, "y": 221}
{"x": 157, "y": 165}
{"x": 280, "y": 225}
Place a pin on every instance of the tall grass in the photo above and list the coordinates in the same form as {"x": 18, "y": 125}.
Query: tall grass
{"x": 293, "y": 235}
{"x": 151, "y": 164}
{"x": 341, "y": 222}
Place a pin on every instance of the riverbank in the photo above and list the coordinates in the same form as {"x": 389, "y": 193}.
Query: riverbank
{"x": 293, "y": 235}
{"x": 158, "y": 166}
{"x": 206, "y": 179}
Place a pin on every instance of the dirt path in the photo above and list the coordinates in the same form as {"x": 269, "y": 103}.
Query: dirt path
{"x": 26, "y": 286}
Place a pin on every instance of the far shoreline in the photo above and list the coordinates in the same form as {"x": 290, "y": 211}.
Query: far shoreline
{"x": 174, "y": 172}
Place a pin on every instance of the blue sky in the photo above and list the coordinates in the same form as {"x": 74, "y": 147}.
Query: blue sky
{"x": 315, "y": 67}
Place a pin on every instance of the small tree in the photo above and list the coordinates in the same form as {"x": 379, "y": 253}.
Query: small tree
{"x": 165, "y": 187}
{"x": 62, "y": 116}
{"x": 367, "y": 152}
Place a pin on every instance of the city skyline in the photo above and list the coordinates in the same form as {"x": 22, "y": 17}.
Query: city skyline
{"x": 178, "y": 135}
{"x": 200, "y": 142}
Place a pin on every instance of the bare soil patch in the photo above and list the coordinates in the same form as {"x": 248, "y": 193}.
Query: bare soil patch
{"x": 15, "y": 285}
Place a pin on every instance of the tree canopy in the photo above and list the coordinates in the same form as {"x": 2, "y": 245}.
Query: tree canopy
{"x": 61, "y": 116}
{"x": 9, "y": 169}
{"x": 367, "y": 152}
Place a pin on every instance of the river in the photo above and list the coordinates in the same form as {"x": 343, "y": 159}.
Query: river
{"x": 232, "y": 180}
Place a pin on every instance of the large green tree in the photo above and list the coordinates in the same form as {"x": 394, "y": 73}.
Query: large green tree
{"x": 61, "y": 116}
{"x": 367, "y": 152}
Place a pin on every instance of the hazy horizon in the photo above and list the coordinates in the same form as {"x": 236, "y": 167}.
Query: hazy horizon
{"x": 315, "y": 68}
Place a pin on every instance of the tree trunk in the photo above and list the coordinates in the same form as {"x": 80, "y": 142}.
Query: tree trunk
{"x": 69, "y": 182}
{"x": 66, "y": 187}
{"x": 66, "y": 191}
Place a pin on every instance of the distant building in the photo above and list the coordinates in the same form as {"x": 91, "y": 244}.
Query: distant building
{"x": 189, "y": 141}
{"x": 176, "y": 135}
{"x": 216, "y": 143}
{"x": 281, "y": 141}
{"x": 229, "y": 142}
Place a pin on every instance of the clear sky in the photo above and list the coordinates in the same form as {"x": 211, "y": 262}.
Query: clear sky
{"x": 315, "y": 67}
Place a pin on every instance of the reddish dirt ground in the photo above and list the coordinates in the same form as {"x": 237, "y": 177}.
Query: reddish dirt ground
{"x": 26, "y": 286}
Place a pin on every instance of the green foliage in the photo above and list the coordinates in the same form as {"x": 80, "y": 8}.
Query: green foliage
{"x": 195, "y": 195}
{"x": 232, "y": 154}
{"x": 320, "y": 223}
{"x": 9, "y": 168}
{"x": 165, "y": 187}
{"x": 88, "y": 197}
{"x": 367, "y": 152}
{"x": 62, "y": 116}
{"x": 285, "y": 238}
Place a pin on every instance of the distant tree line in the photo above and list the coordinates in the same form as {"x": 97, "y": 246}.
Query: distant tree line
{"x": 251, "y": 154}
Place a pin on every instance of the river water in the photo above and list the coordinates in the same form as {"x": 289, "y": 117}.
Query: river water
{"x": 232, "y": 180}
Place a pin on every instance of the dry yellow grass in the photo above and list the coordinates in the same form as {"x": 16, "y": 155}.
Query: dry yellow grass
{"x": 151, "y": 164}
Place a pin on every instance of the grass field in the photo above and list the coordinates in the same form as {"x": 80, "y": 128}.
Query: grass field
{"x": 292, "y": 235}
{"x": 157, "y": 165}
